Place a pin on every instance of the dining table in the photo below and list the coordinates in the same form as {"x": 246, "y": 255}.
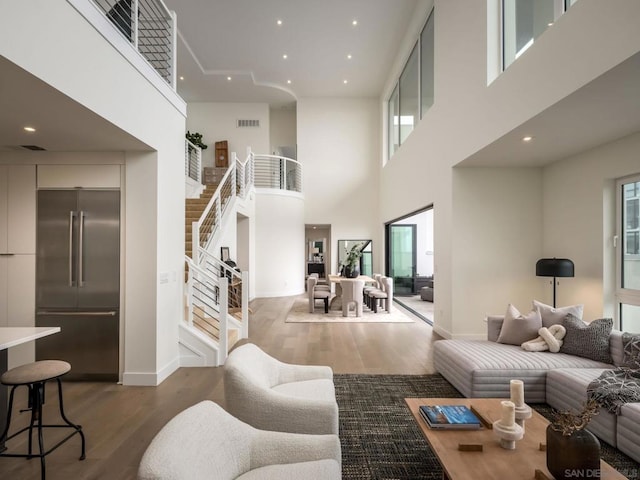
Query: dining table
{"x": 336, "y": 301}
{"x": 11, "y": 337}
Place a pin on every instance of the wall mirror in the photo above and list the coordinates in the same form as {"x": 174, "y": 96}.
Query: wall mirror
{"x": 366, "y": 260}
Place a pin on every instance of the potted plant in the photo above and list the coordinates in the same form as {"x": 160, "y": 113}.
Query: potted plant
{"x": 196, "y": 139}
{"x": 351, "y": 264}
{"x": 572, "y": 451}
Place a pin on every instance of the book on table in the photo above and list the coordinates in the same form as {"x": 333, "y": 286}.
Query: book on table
{"x": 449, "y": 417}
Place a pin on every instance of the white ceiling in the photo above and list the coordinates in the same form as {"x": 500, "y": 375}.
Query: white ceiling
{"x": 242, "y": 40}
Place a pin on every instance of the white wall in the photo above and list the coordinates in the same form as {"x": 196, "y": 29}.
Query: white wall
{"x": 217, "y": 122}
{"x": 73, "y": 57}
{"x": 282, "y": 126}
{"x": 280, "y": 248}
{"x": 468, "y": 115}
{"x": 339, "y": 148}
{"x": 579, "y": 221}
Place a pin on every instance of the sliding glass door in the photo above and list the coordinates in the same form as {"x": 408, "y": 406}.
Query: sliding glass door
{"x": 402, "y": 258}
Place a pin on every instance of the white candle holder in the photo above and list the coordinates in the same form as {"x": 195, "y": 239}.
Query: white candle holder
{"x": 523, "y": 413}
{"x": 506, "y": 429}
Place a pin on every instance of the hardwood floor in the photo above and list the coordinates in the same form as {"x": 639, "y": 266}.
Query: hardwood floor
{"x": 119, "y": 422}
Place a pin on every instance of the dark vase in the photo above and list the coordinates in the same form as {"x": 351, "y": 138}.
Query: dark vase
{"x": 573, "y": 456}
{"x": 350, "y": 272}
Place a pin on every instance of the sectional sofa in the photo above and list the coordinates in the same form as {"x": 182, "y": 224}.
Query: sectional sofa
{"x": 483, "y": 368}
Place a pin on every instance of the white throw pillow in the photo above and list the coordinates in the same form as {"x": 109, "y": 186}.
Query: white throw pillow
{"x": 553, "y": 316}
{"x": 518, "y": 328}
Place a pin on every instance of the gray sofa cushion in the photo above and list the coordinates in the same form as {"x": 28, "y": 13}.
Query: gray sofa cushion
{"x": 567, "y": 390}
{"x": 628, "y": 434}
{"x": 589, "y": 340}
{"x": 483, "y": 369}
{"x": 554, "y": 315}
{"x": 518, "y": 328}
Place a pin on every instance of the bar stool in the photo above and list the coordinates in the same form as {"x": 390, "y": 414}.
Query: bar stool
{"x": 34, "y": 376}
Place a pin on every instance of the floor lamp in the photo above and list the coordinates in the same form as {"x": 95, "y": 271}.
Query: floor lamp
{"x": 554, "y": 267}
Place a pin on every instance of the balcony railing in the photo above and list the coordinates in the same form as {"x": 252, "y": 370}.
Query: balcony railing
{"x": 151, "y": 29}
{"x": 281, "y": 173}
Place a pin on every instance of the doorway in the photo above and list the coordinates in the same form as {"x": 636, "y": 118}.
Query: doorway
{"x": 409, "y": 261}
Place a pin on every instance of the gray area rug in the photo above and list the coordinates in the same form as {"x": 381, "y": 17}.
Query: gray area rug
{"x": 381, "y": 440}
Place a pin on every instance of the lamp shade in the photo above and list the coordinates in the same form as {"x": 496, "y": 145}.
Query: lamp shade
{"x": 554, "y": 267}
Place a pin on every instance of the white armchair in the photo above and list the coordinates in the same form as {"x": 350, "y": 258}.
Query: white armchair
{"x": 271, "y": 395}
{"x": 205, "y": 442}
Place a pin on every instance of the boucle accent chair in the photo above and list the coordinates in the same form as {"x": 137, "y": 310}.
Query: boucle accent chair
{"x": 205, "y": 442}
{"x": 271, "y": 395}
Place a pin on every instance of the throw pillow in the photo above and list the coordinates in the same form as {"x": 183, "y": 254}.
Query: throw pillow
{"x": 518, "y": 328}
{"x": 630, "y": 350}
{"x": 552, "y": 315}
{"x": 588, "y": 340}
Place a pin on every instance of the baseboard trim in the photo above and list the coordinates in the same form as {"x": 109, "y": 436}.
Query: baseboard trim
{"x": 441, "y": 331}
{"x": 145, "y": 379}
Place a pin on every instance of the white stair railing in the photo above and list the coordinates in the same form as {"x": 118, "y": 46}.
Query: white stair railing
{"x": 192, "y": 161}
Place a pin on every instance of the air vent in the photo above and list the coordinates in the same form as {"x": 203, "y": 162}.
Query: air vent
{"x": 32, "y": 147}
{"x": 247, "y": 123}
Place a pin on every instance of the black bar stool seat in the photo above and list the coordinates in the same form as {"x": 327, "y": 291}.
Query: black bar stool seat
{"x": 34, "y": 376}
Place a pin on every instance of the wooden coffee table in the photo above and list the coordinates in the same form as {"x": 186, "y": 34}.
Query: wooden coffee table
{"x": 494, "y": 461}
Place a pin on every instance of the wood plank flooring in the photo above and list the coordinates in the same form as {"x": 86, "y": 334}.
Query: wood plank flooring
{"x": 119, "y": 422}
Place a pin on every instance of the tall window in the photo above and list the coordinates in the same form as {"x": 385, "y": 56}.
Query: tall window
{"x": 629, "y": 253}
{"x": 414, "y": 92}
{"x": 410, "y": 95}
{"x": 426, "y": 66}
{"x": 525, "y": 20}
{"x": 394, "y": 122}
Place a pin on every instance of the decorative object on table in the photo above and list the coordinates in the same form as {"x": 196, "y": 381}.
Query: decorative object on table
{"x": 549, "y": 339}
{"x": 522, "y": 410}
{"x": 196, "y": 139}
{"x": 572, "y": 451}
{"x": 350, "y": 266}
{"x": 448, "y": 417}
{"x": 506, "y": 429}
{"x": 554, "y": 267}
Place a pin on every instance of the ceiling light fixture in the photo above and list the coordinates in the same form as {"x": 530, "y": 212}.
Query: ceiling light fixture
{"x": 229, "y": 79}
{"x": 279, "y": 22}
{"x": 181, "y": 78}
{"x": 289, "y": 81}
{"x": 354, "y": 23}
{"x": 345, "y": 81}
{"x": 29, "y": 129}
{"x": 285, "y": 56}
{"x": 349, "y": 56}
{"x": 527, "y": 138}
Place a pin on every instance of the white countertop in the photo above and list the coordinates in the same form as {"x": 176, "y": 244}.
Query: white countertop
{"x": 12, "y": 336}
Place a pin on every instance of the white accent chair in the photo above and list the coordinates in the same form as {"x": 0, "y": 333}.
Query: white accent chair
{"x": 205, "y": 442}
{"x": 351, "y": 295}
{"x": 317, "y": 292}
{"x": 271, "y": 395}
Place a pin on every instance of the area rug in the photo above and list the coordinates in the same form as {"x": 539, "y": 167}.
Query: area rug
{"x": 381, "y": 440}
{"x": 299, "y": 313}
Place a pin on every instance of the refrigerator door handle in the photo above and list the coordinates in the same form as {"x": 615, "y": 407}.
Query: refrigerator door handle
{"x": 80, "y": 245}
{"x": 71, "y": 216}
{"x": 111, "y": 313}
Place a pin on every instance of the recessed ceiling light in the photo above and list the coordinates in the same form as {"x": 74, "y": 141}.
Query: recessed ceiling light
{"x": 289, "y": 81}
{"x": 345, "y": 81}
{"x": 181, "y": 78}
{"x": 349, "y": 56}
{"x": 354, "y": 23}
{"x": 549, "y": 24}
{"x": 279, "y": 22}
{"x": 29, "y": 129}
{"x": 285, "y": 56}
{"x": 229, "y": 79}
{"x": 527, "y": 138}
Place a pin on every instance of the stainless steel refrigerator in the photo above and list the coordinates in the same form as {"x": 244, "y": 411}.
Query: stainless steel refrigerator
{"x": 78, "y": 280}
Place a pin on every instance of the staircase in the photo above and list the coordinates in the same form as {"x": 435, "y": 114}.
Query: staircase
{"x": 194, "y": 208}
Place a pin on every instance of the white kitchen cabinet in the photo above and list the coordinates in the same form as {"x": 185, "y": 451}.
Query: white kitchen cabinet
{"x": 18, "y": 209}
